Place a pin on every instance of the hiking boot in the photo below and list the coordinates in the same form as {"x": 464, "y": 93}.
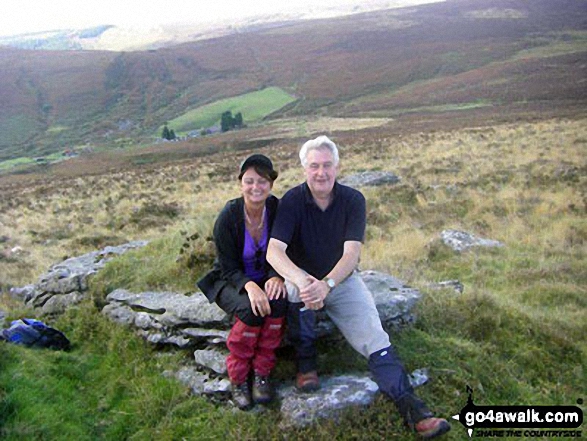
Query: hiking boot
{"x": 307, "y": 382}
{"x": 432, "y": 427}
{"x": 241, "y": 395}
{"x": 262, "y": 390}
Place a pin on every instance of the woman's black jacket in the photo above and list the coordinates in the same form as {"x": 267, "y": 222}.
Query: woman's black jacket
{"x": 229, "y": 238}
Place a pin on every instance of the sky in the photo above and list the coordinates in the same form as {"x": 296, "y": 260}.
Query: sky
{"x": 25, "y": 16}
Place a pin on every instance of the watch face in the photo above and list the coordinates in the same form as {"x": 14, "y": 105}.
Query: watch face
{"x": 330, "y": 283}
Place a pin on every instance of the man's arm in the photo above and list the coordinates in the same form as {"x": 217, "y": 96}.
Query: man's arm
{"x": 278, "y": 259}
{"x": 347, "y": 263}
{"x": 316, "y": 291}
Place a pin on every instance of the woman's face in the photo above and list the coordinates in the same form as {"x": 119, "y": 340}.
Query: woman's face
{"x": 255, "y": 188}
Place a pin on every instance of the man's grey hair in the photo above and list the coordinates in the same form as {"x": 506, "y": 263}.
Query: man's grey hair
{"x": 322, "y": 142}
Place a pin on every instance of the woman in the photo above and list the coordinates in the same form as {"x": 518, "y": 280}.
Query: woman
{"x": 244, "y": 285}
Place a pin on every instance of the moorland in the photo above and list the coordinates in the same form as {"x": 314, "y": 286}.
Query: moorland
{"x": 479, "y": 107}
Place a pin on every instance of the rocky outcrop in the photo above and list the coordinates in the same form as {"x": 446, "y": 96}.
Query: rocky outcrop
{"x": 370, "y": 179}
{"x": 190, "y": 322}
{"x": 335, "y": 394}
{"x": 66, "y": 283}
{"x": 455, "y": 285}
{"x": 461, "y": 241}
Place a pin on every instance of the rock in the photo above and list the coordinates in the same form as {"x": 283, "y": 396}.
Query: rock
{"x": 419, "y": 377}
{"x": 370, "y": 178}
{"x": 168, "y": 317}
{"x": 212, "y": 336}
{"x": 394, "y": 299}
{"x": 448, "y": 284}
{"x": 120, "y": 314}
{"x": 172, "y": 309}
{"x": 16, "y": 251}
{"x": 67, "y": 280}
{"x": 62, "y": 282}
{"x": 160, "y": 338}
{"x": 143, "y": 320}
{"x": 24, "y": 293}
{"x": 58, "y": 304}
{"x": 71, "y": 274}
{"x": 201, "y": 383}
{"x": 462, "y": 241}
{"x": 213, "y": 359}
{"x": 335, "y": 394}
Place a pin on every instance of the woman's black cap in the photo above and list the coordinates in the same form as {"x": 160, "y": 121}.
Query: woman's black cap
{"x": 262, "y": 165}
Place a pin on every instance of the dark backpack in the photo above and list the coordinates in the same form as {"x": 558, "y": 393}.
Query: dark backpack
{"x": 34, "y": 333}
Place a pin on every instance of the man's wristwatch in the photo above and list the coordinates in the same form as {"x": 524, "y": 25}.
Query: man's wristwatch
{"x": 330, "y": 282}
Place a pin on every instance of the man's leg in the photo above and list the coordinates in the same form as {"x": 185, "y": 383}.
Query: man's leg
{"x": 352, "y": 308}
{"x": 302, "y": 335}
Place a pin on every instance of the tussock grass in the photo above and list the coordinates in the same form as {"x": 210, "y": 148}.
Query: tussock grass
{"x": 516, "y": 335}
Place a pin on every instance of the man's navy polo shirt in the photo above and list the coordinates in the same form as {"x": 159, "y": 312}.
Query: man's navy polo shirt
{"x": 316, "y": 238}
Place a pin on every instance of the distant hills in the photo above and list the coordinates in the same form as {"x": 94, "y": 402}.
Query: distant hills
{"x": 199, "y": 26}
{"x": 526, "y": 58}
{"x": 56, "y": 40}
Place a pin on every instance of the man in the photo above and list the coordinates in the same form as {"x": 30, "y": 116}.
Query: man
{"x": 315, "y": 245}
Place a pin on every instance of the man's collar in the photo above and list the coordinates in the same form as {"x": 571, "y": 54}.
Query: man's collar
{"x": 309, "y": 199}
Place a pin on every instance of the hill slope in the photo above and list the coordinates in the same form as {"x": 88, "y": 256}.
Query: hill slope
{"x": 498, "y": 55}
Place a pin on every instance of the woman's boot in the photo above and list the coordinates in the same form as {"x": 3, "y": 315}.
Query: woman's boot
{"x": 265, "y": 358}
{"x": 241, "y": 343}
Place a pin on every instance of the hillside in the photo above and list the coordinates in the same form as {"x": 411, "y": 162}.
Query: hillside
{"x": 488, "y": 59}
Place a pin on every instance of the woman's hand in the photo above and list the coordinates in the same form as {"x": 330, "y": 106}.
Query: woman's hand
{"x": 258, "y": 299}
{"x": 275, "y": 288}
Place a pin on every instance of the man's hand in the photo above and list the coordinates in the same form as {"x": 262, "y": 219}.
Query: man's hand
{"x": 275, "y": 288}
{"x": 258, "y": 298}
{"x": 314, "y": 293}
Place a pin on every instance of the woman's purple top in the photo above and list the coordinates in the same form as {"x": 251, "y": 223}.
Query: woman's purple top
{"x": 254, "y": 255}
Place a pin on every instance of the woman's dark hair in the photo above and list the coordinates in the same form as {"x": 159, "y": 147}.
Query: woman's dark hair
{"x": 262, "y": 165}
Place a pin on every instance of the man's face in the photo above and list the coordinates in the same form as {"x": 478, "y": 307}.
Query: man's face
{"x": 320, "y": 172}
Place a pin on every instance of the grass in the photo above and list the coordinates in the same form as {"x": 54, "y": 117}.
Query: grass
{"x": 12, "y": 163}
{"x": 443, "y": 108}
{"x": 555, "y": 44}
{"x": 516, "y": 334}
{"x": 254, "y": 106}
{"x": 18, "y": 127}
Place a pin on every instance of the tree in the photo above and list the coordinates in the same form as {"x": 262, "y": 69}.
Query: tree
{"x": 238, "y": 120}
{"x": 167, "y": 133}
{"x": 226, "y": 121}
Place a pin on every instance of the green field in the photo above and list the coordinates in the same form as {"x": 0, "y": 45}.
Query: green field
{"x": 254, "y": 106}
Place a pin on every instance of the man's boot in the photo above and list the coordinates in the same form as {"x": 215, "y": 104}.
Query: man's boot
{"x": 419, "y": 418}
{"x": 241, "y": 343}
{"x": 265, "y": 358}
{"x": 393, "y": 381}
